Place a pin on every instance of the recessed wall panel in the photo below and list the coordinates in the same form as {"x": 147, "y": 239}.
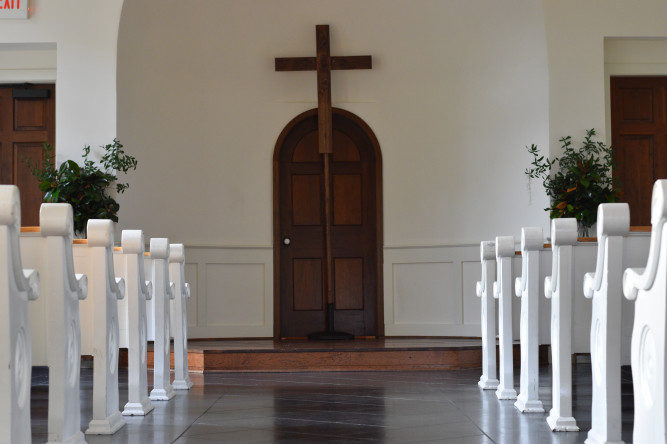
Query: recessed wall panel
{"x": 235, "y": 294}
{"x": 472, "y": 306}
{"x": 192, "y": 303}
{"x": 420, "y": 291}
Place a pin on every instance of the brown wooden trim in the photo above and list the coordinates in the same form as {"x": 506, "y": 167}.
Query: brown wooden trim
{"x": 641, "y": 229}
{"x": 30, "y": 230}
{"x": 296, "y": 64}
{"x": 352, "y": 62}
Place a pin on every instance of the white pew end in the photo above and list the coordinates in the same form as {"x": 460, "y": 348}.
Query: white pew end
{"x": 179, "y": 317}
{"x": 95, "y": 259}
{"x": 648, "y": 288}
{"x": 59, "y": 338}
{"x": 129, "y": 263}
{"x": 559, "y": 287}
{"x": 527, "y": 288}
{"x": 488, "y": 380}
{"x": 163, "y": 291}
{"x": 502, "y": 290}
{"x": 605, "y": 287}
{"x": 18, "y": 287}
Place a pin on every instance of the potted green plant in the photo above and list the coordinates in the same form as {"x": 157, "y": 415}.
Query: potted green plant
{"x": 86, "y": 187}
{"x": 577, "y": 181}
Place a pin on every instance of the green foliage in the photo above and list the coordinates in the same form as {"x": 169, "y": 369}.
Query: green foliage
{"x": 85, "y": 187}
{"x": 582, "y": 178}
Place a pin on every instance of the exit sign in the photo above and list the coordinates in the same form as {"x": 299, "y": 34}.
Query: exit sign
{"x": 13, "y": 9}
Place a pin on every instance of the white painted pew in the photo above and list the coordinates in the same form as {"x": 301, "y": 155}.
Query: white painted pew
{"x": 95, "y": 259}
{"x": 502, "y": 290}
{"x": 18, "y": 287}
{"x": 179, "y": 317}
{"x": 605, "y": 287}
{"x": 57, "y": 331}
{"x": 559, "y": 287}
{"x": 163, "y": 292}
{"x": 129, "y": 264}
{"x": 488, "y": 380}
{"x": 648, "y": 288}
{"x": 527, "y": 288}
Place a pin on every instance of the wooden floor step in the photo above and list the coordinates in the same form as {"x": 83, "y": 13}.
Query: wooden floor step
{"x": 384, "y": 354}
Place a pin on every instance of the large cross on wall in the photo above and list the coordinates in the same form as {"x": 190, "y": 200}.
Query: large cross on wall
{"x": 323, "y": 63}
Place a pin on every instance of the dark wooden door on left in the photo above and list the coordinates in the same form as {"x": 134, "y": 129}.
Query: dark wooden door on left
{"x": 27, "y": 120}
{"x": 639, "y": 139}
{"x": 300, "y": 255}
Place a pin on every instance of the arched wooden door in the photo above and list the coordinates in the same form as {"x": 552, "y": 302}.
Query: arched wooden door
{"x": 356, "y": 228}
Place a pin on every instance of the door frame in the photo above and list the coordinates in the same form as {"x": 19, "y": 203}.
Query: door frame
{"x": 277, "y": 238}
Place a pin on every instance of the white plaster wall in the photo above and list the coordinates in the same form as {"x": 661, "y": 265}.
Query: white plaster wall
{"x": 84, "y": 34}
{"x": 457, "y": 90}
{"x": 576, "y": 33}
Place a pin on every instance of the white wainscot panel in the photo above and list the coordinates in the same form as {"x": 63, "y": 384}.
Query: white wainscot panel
{"x": 425, "y": 291}
{"x": 230, "y": 292}
{"x": 235, "y": 294}
{"x": 192, "y": 278}
{"x": 419, "y": 294}
{"x": 472, "y": 272}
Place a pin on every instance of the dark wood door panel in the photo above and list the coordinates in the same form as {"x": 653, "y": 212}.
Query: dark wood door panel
{"x": 349, "y": 283}
{"x": 25, "y": 124}
{"x": 639, "y": 140}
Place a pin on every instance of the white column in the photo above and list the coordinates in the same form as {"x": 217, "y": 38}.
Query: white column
{"x": 179, "y": 317}
{"x": 137, "y": 291}
{"x": 488, "y": 380}
{"x": 163, "y": 291}
{"x": 527, "y": 288}
{"x": 502, "y": 290}
{"x": 605, "y": 287}
{"x": 560, "y": 288}
{"x": 648, "y": 288}
{"x": 104, "y": 290}
{"x": 17, "y": 287}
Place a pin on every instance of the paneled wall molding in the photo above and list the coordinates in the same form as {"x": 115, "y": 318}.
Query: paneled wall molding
{"x": 430, "y": 290}
{"x": 231, "y": 291}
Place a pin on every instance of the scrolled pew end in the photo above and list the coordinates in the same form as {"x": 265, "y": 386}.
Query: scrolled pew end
{"x": 589, "y": 285}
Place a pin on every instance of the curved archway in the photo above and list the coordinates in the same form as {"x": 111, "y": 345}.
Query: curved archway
{"x": 356, "y": 227}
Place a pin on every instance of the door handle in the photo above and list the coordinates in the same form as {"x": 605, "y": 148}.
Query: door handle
{"x": 287, "y": 241}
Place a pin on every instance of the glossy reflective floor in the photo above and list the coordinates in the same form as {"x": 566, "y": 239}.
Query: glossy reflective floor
{"x": 345, "y": 407}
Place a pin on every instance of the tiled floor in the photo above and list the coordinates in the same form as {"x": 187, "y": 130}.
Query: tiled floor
{"x": 389, "y": 407}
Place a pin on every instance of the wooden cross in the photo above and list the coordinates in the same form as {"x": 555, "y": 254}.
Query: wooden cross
{"x": 323, "y": 64}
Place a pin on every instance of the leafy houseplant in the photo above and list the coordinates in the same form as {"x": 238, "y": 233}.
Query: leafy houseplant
{"x": 85, "y": 187}
{"x": 578, "y": 181}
